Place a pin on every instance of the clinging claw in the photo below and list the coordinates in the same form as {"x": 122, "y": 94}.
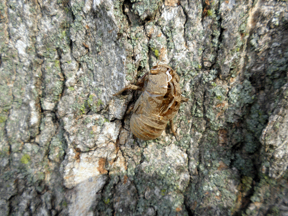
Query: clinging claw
{"x": 132, "y": 87}
{"x": 183, "y": 99}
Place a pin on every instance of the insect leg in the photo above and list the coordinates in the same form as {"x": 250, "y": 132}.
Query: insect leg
{"x": 172, "y": 88}
{"x": 170, "y": 104}
{"x": 142, "y": 80}
{"x": 132, "y": 87}
{"x": 183, "y": 99}
{"x": 130, "y": 109}
{"x": 172, "y": 127}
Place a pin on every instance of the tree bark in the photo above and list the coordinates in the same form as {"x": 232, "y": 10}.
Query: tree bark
{"x": 65, "y": 142}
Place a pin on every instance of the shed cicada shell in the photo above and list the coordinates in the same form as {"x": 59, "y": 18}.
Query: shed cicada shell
{"x": 159, "y": 102}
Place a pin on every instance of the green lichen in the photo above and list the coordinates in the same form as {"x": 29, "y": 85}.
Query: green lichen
{"x": 106, "y": 201}
{"x": 99, "y": 102}
{"x": 89, "y": 60}
{"x": 57, "y": 147}
{"x": 247, "y": 182}
{"x": 40, "y": 176}
{"x": 64, "y": 204}
{"x": 251, "y": 145}
{"x": 2, "y": 118}
{"x": 82, "y": 109}
{"x": 241, "y": 94}
{"x": 5, "y": 98}
{"x": 157, "y": 54}
{"x": 256, "y": 120}
{"x": 210, "y": 76}
{"x": 129, "y": 78}
{"x": 274, "y": 211}
{"x": 209, "y": 13}
{"x": 25, "y": 159}
{"x": 244, "y": 165}
{"x": 148, "y": 7}
{"x": 57, "y": 63}
{"x": 265, "y": 192}
{"x": 130, "y": 68}
{"x": 214, "y": 190}
{"x": 90, "y": 101}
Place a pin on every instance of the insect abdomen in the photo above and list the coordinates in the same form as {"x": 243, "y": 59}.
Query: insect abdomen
{"x": 146, "y": 127}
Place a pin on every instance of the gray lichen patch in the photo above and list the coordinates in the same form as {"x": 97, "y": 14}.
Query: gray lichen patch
{"x": 47, "y": 129}
{"x": 96, "y": 47}
{"x": 172, "y": 23}
{"x": 90, "y": 132}
{"x": 142, "y": 10}
{"x": 272, "y": 191}
{"x": 274, "y": 140}
{"x": 175, "y": 172}
{"x": 218, "y": 189}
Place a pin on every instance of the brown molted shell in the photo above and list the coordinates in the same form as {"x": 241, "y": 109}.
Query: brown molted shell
{"x": 159, "y": 103}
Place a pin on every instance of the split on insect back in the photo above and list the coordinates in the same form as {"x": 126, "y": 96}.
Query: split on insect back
{"x": 159, "y": 102}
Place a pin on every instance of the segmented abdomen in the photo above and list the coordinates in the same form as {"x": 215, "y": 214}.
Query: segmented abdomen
{"x": 147, "y": 127}
{"x": 157, "y": 105}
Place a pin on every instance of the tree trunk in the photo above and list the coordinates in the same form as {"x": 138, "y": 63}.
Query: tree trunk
{"x": 66, "y": 147}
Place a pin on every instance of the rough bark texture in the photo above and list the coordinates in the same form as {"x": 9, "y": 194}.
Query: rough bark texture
{"x": 65, "y": 143}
